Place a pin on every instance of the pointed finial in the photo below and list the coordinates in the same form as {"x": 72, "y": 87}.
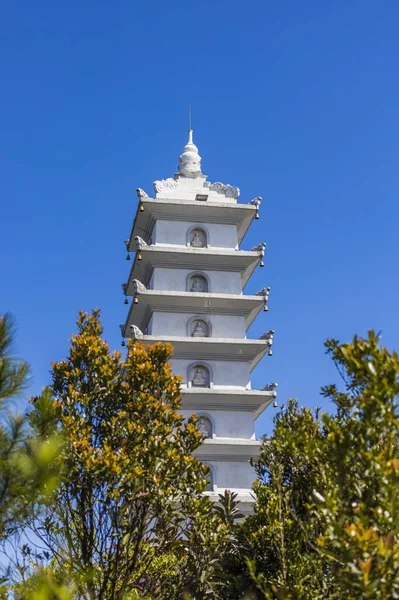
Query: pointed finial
{"x": 189, "y": 117}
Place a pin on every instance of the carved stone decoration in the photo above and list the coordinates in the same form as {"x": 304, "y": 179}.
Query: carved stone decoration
{"x": 230, "y": 191}
{"x": 200, "y": 377}
{"x": 137, "y": 334}
{"x": 140, "y": 243}
{"x": 138, "y": 286}
{"x": 264, "y": 292}
{"x": 165, "y": 184}
{"x": 197, "y": 239}
{"x": 215, "y": 187}
{"x": 189, "y": 164}
{"x": 256, "y": 202}
{"x": 141, "y": 193}
{"x": 204, "y": 426}
{"x": 198, "y": 284}
{"x": 269, "y": 387}
{"x": 124, "y": 287}
{"x": 259, "y": 247}
{"x": 199, "y": 329}
{"x": 122, "y": 328}
{"x": 127, "y": 244}
{"x": 268, "y": 336}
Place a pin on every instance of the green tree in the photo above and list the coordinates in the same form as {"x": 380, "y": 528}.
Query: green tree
{"x": 361, "y": 503}
{"x": 326, "y": 522}
{"x": 129, "y": 519}
{"x": 26, "y": 472}
{"x": 13, "y": 380}
{"x": 277, "y": 552}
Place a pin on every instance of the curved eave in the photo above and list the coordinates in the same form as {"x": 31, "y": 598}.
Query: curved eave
{"x": 223, "y": 349}
{"x": 228, "y": 449}
{"x": 240, "y": 215}
{"x": 255, "y": 401}
{"x": 198, "y": 259}
{"x": 150, "y": 301}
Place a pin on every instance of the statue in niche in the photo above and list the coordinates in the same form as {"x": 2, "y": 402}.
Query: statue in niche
{"x": 204, "y": 426}
{"x": 200, "y": 377}
{"x": 199, "y": 329}
{"x": 198, "y": 284}
{"x": 197, "y": 239}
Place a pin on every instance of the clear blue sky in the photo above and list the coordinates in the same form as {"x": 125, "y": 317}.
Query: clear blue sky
{"x": 294, "y": 101}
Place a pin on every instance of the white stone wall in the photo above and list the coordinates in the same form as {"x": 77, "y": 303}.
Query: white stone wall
{"x": 175, "y": 233}
{"x": 228, "y": 424}
{"x": 232, "y": 475}
{"x": 221, "y": 282}
{"x": 226, "y": 374}
{"x": 165, "y": 323}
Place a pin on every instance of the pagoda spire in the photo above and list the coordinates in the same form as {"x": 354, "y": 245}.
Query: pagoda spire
{"x": 190, "y": 160}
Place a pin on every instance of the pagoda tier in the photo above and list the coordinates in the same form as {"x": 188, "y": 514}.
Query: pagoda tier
{"x": 186, "y": 284}
{"x": 149, "y": 258}
{"x": 238, "y": 400}
{"x": 153, "y": 210}
{"x": 228, "y": 449}
{"x": 150, "y": 301}
{"x": 221, "y": 349}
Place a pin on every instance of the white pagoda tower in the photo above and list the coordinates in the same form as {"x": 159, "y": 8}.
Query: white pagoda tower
{"x": 187, "y": 283}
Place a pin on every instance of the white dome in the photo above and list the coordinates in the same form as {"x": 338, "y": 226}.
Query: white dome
{"x": 190, "y": 160}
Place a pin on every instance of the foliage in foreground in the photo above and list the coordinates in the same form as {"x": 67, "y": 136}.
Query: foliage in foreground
{"x": 326, "y": 522}
{"x": 128, "y": 519}
{"x": 14, "y": 497}
{"x": 26, "y": 473}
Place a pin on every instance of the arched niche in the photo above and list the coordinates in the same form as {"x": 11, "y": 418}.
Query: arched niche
{"x": 198, "y": 236}
{"x": 198, "y": 282}
{"x": 199, "y": 375}
{"x": 205, "y": 426}
{"x": 199, "y": 327}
